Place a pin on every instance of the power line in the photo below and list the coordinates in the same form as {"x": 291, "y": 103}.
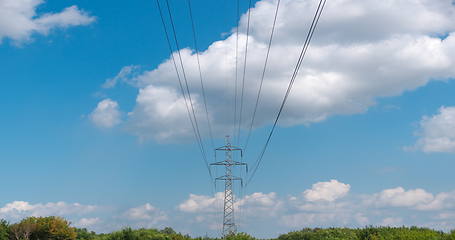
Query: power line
{"x": 236, "y": 70}
{"x": 291, "y": 83}
{"x": 184, "y": 75}
{"x": 200, "y": 72}
{"x": 196, "y": 134}
{"x": 244, "y": 69}
{"x": 262, "y": 76}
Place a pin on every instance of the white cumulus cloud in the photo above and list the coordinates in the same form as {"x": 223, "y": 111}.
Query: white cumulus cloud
{"x": 19, "y": 19}
{"x": 324, "y": 205}
{"x": 201, "y": 203}
{"x": 362, "y": 50}
{"x": 437, "y": 132}
{"x": 255, "y": 203}
{"x": 327, "y": 191}
{"x": 399, "y": 197}
{"x": 418, "y": 199}
{"x": 160, "y": 112}
{"x": 106, "y": 114}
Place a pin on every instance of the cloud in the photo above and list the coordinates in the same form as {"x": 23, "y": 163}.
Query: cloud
{"x": 392, "y": 222}
{"x": 127, "y": 74}
{"x": 318, "y": 219}
{"x": 159, "y": 113}
{"x": 106, "y": 114}
{"x": 201, "y": 211}
{"x": 144, "y": 212}
{"x": 362, "y": 51}
{"x": 19, "y": 20}
{"x": 326, "y": 206}
{"x": 327, "y": 191}
{"x": 200, "y": 203}
{"x": 87, "y": 222}
{"x": 255, "y": 203}
{"x": 437, "y": 132}
{"x": 442, "y": 201}
{"x": 145, "y": 216}
{"x": 260, "y": 204}
{"x": 294, "y": 211}
{"x": 399, "y": 197}
{"x": 20, "y": 209}
{"x": 261, "y": 213}
{"x": 98, "y": 218}
{"x": 321, "y": 206}
{"x": 417, "y": 199}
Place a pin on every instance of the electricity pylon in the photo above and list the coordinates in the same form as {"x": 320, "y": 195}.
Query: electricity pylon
{"x": 229, "y": 226}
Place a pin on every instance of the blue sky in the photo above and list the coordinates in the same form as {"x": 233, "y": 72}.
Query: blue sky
{"x": 367, "y": 138}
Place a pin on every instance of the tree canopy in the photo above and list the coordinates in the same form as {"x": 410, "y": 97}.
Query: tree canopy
{"x": 57, "y": 228}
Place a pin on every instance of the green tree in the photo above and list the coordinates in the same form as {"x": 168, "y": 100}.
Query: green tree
{"x": 125, "y": 234}
{"x": 168, "y": 231}
{"x": 54, "y": 228}
{"x": 240, "y": 236}
{"x": 84, "y": 234}
{"x": 38, "y": 228}
{"x": 4, "y": 229}
{"x": 24, "y": 229}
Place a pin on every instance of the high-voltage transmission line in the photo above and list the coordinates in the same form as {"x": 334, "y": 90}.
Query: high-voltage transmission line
{"x": 186, "y": 94}
{"x": 306, "y": 44}
{"x": 229, "y": 226}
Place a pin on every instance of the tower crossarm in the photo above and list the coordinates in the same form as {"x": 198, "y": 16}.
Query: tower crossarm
{"x": 228, "y": 163}
{"x": 227, "y": 177}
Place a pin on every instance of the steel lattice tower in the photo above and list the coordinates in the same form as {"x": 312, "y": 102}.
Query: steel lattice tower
{"x": 229, "y": 226}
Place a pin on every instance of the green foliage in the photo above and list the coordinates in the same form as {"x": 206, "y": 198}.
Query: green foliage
{"x": 168, "y": 231}
{"x": 4, "y": 230}
{"x": 319, "y": 234}
{"x": 36, "y": 228}
{"x": 144, "y": 234}
{"x": 84, "y": 234}
{"x": 56, "y": 228}
{"x": 240, "y": 236}
{"x": 369, "y": 233}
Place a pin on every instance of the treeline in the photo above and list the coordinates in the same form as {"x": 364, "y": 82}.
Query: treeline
{"x": 369, "y": 233}
{"x": 56, "y": 228}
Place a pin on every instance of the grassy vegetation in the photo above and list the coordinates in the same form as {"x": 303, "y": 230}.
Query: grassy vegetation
{"x": 56, "y": 228}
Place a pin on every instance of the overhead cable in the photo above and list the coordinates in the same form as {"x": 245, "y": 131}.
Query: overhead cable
{"x": 204, "y": 97}
{"x": 310, "y": 33}
{"x": 234, "y": 128}
{"x": 262, "y": 76}
{"x": 244, "y": 70}
{"x": 186, "y": 99}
